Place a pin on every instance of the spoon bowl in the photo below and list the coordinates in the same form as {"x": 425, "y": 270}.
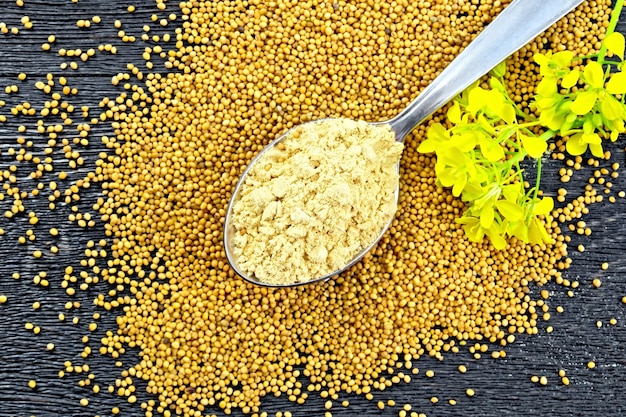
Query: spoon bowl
{"x": 518, "y": 24}
{"x": 229, "y": 229}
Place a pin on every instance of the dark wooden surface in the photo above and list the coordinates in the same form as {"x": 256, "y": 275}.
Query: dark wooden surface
{"x": 503, "y": 386}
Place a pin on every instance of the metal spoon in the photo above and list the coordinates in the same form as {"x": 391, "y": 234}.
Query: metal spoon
{"x": 518, "y": 24}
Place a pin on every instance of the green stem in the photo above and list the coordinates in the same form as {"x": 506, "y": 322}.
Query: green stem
{"x": 570, "y": 132}
{"x": 520, "y": 172}
{"x": 532, "y": 123}
{"x": 538, "y": 180}
{"x": 615, "y": 14}
{"x": 535, "y": 191}
{"x": 547, "y": 135}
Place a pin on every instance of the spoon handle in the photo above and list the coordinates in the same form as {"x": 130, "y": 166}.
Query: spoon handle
{"x": 519, "y": 23}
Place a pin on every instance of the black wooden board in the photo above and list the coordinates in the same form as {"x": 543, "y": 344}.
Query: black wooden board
{"x": 503, "y": 386}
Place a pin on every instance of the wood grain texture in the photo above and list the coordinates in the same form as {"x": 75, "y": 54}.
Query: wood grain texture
{"x": 503, "y": 386}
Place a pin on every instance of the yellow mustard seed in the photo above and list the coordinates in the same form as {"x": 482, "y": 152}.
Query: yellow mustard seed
{"x": 591, "y": 364}
{"x": 32, "y": 384}
{"x": 470, "y": 392}
{"x": 3, "y": 299}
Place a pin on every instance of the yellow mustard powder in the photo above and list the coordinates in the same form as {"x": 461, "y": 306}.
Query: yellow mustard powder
{"x": 315, "y": 200}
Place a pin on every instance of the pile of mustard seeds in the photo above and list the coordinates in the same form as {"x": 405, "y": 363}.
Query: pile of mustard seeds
{"x": 248, "y": 71}
{"x": 240, "y": 74}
